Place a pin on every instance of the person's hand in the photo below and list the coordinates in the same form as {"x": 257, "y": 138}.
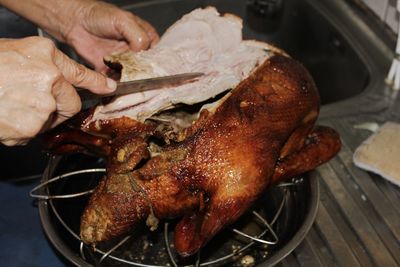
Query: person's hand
{"x": 93, "y": 28}
{"x": 96, "y": 29}
{"x": 36, "y": 87}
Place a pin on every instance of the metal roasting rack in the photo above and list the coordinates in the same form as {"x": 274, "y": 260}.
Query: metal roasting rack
{"x": 267, "y": 237}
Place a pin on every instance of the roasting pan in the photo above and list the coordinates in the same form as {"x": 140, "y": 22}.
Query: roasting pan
{"x": 291, "y": 205}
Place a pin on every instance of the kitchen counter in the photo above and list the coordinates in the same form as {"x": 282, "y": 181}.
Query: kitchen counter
{"x": 358, "y": 219}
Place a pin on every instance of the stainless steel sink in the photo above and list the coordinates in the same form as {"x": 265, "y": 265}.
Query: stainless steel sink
{"x": 312, "y": 31}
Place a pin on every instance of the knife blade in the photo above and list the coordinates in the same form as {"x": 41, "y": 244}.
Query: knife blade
{"x": 136, "y": 86}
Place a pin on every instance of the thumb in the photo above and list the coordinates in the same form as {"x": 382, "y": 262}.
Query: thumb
{"x": 80, "y": 76}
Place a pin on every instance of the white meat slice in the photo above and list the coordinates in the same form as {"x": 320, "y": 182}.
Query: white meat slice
{"x": 201, "y": 41}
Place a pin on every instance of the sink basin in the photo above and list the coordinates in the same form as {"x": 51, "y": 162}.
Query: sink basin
{"x": 296, "y": 26}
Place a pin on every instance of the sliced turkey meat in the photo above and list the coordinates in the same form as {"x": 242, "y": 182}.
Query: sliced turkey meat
{"x": 202, "y": 41}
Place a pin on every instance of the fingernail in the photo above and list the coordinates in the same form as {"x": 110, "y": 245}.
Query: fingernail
{"x": 111, "y": 84}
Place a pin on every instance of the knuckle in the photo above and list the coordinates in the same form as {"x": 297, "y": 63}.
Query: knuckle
{"x": 51, "y": 75}
{"x": 80, "y": 73}
{"x": 50, "y": 107}
{"x": 42, "y": 43}
{"x": 30, "y": 129}
{"x": 34, "y": 39}
{"x": 30, "y": 122}
{"x": 11, "y": 142}
{"x": 45, "y": 104}
{"x": 36, "y": 126}
{"x": 129, "y": 16}
{"x": 124, "y": 16}
{"x": 46, "y": 43}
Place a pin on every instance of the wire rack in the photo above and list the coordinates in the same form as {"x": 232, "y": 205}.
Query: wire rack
{"x": 266, "y": 236}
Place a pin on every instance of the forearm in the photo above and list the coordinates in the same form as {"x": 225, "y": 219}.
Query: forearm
{"x": 54, "y": 16}
{"x": 93, "y": 28}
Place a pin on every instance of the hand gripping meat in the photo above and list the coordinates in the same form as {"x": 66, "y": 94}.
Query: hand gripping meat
{"x": 262, "y": 133}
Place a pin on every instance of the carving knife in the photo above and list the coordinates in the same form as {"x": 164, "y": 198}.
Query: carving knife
{"x": 136, "y": 86}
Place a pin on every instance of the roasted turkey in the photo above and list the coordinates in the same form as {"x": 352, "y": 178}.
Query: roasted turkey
{"x": 201, "y": 151}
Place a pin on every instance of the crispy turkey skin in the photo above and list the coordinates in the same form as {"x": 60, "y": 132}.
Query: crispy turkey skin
{"x": 210, "y": 172}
